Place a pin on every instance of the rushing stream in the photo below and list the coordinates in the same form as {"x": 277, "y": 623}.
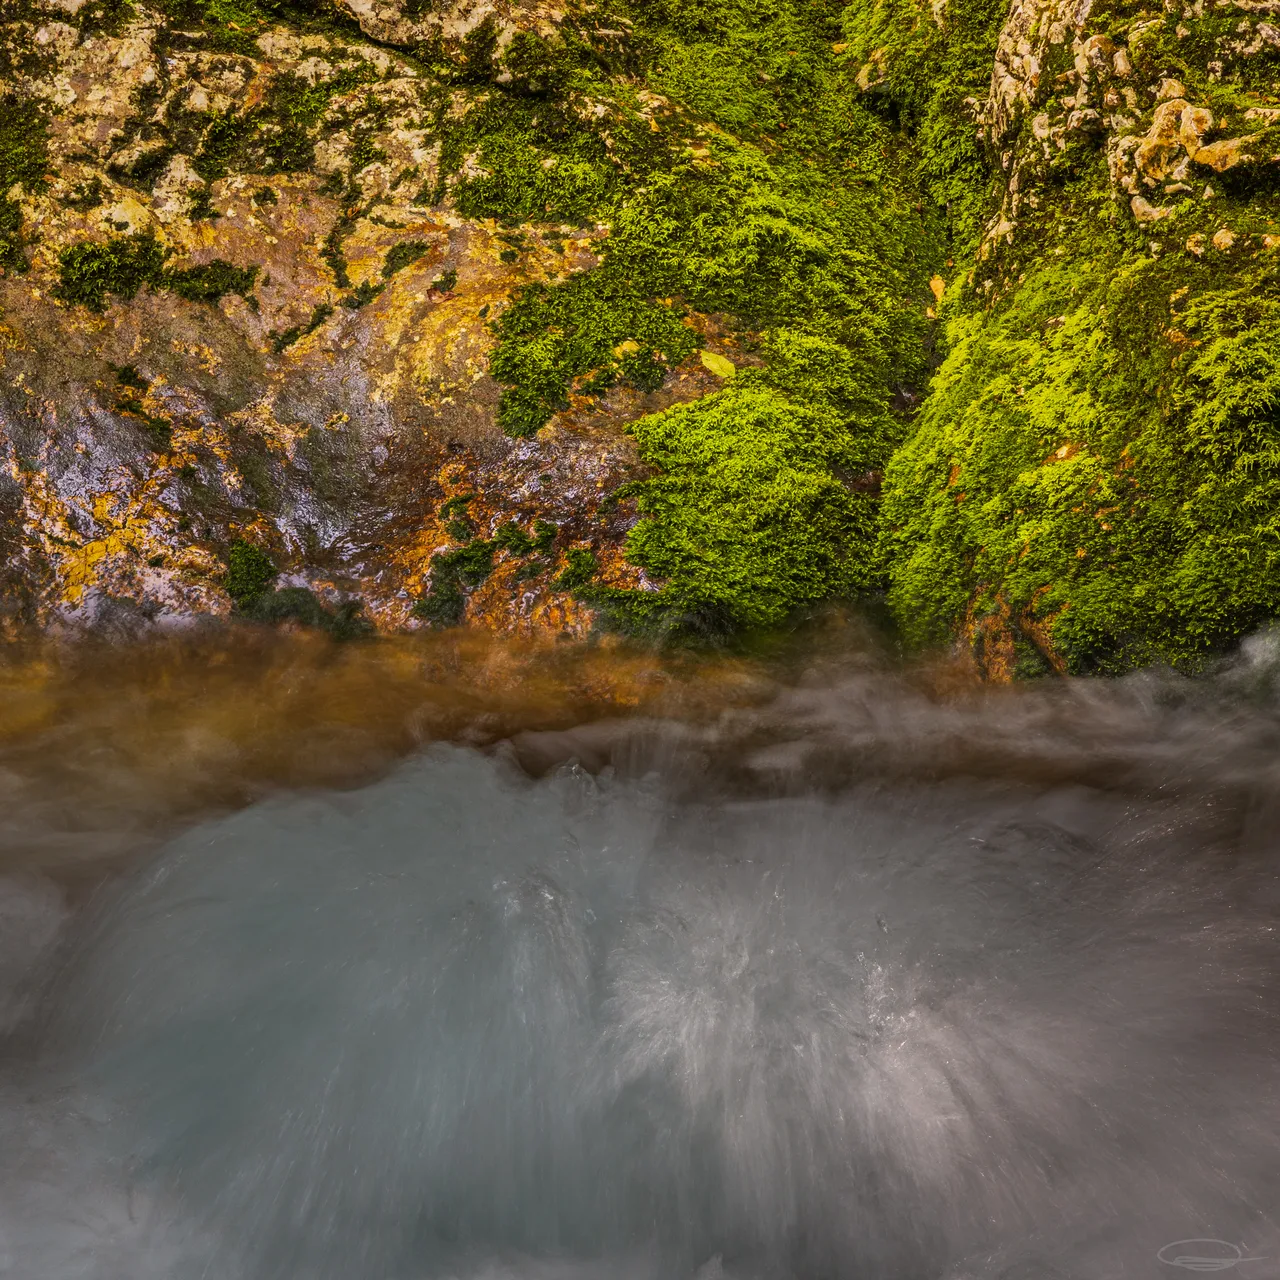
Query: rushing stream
{"x": 843, "y": 972}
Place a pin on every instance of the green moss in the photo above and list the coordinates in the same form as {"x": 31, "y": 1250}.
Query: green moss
{"x": 250, "y": 571}
{"x": 201, "y": 206}
{"x": 24, "y": 160}
{"x": 88, "y": 272}
{"x": 749, "y": 517}
{"x": 554, "y": 337}
{"x": 544, "y": 535}
{"x": 927, "y": 64}
{"x": 445, "y": 281}
{"x": 403, "y": 254}
{"x": 331, "y": 252}
{"x": 105, "y": 16}
{"x": 453, "y": 516}
{"x": 510, "y": 537}
{"x": 452, "y": 572}
{"x": 279, "y": 134}
{"x": 363, "y": 294}
{"x": 124, "y": 264}
{"x": 763, "y": 191}
{"x": 1098, "y": 463}
{"x": 532, "y": 568}
{"x": 210, "y": 282}
{"x": 298, "y": 605}
{"x": 364, "y": 151}
{"x": 580, "y": 570}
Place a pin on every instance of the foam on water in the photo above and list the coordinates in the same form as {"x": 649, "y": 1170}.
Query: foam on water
{"x": 792, "y": 997}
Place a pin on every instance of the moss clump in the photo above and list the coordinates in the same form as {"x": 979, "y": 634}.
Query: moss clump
{"x": 124, "y": 264}
{"x": 762, "y": 191}
{"x": 1097, "y": 467}
{"x": 86, "y": 195}
{"x": 452, "y": 572}
{"x": 363, "y": 294}
{"x": 210, "y": 282}
{"x": 923, "y": 68}
{"x": 23, "y": 161}
{"x": 250, "y": 571}
{"x": 581, "y": 569}
{"x": 87, "y": 273}
{"x": 588, "y": 333}
{"x": 279, "y": 134}
{"x": 303, "y": 607}
{"x": 511, "y": 537}
{"x": 750, "y": 517}
{"x": 533, "y": 155}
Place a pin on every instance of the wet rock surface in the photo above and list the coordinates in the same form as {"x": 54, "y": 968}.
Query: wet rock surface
{"x": 238, "y": 309}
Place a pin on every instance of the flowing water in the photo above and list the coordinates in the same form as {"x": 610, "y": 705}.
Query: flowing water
{"x": 396, "y": 963}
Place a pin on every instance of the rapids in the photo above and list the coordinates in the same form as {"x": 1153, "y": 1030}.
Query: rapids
{"x": 850, "y": 977}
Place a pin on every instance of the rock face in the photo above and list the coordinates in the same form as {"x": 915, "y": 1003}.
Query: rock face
{"x": 1080, "y": 86}
{"x": 256, "y": 264}
{"x": 307, "y": 369}
{"x": 552, "y": 317}
{"x": 1092, "y": 481}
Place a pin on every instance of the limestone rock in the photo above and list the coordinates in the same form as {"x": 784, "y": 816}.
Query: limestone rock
{"x": 1223, "y": 155}
{"x": 1145, "y": 212}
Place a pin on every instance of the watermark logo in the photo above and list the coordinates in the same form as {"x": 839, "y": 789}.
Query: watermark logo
{"x": 1204, "y": 1255}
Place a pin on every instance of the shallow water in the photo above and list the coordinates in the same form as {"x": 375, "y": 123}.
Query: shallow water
{"x": 808, "y": 969}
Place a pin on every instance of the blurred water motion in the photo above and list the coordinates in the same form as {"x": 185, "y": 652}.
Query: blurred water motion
{"x": 812, "y": 969}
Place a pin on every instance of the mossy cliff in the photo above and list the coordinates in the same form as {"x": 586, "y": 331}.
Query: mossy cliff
{"x": 671, "y": 316}
{"x": 1092, "y": 481}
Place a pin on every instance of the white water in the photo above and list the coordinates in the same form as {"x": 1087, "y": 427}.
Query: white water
{"x": 854, "y": 986}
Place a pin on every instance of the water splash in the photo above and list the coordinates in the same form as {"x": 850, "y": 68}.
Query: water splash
{"x": 856, "y": 984}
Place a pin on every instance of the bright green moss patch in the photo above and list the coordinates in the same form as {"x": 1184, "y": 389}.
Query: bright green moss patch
{"x": 736, "y": 235}
{"x": 922, "y": 67}
{"x": 749, "y": 518}
{"x": 590, "y": 332}
{"x": 760, "y": 189}
{"x": 1099, "y": 462}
